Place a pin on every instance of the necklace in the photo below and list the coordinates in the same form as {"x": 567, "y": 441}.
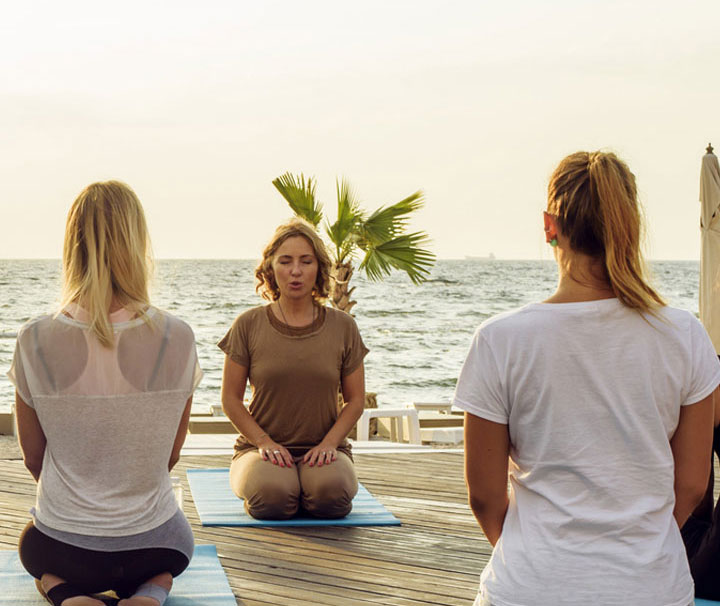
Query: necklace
{"x": 285, "y": 319}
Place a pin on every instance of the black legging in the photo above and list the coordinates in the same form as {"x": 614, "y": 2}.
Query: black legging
{"x": 96, "y": 571}
{"x": 701, "y": 535}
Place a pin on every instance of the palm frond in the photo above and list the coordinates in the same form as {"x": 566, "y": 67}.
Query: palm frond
{"x": 404, "y": 253}
{"x": 387, "y": 222}
{"x": 341, "y": 233}
{"x": 300, "y": 195}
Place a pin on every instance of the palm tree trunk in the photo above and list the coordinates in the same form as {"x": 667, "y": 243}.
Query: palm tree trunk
{"x": 341, "y": 292}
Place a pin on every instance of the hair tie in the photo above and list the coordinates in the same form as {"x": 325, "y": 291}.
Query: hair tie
{"x": 591, "y": 160}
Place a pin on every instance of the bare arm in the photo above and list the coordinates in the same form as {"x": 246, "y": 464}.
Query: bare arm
{"x": 31, "y": 437}
{"x": 487, "y": 448}
{"x": 232, "y": 395}
{"x": 181, "y": 435}
{"x": 692, "y": 449}
{"x": 353, "y": 390}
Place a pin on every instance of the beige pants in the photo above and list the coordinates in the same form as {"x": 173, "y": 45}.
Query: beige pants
{"x": 272, "y": 492}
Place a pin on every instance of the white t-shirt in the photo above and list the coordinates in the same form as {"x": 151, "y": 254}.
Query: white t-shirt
{"x": 591, "y": 393}
{"x": 110, "y": 417}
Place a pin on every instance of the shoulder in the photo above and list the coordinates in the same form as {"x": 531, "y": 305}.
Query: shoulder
{"x": 340, "y": 321}
{"x": 508, "y": 320}
{"x": 258, "y": 311}
{"x": 338, "y": 317}
{"x": 248, "y": 322}
{"x": 677, "y": 317}
{"x": 251, "y": 316}
{"x": 175, "y": 326}
{"x": 678, "y": 322}
{"x": 36, "y": 323}
{"x": 35, "y": 326}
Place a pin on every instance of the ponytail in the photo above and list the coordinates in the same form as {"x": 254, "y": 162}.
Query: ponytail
{"x": 594, "y": 197}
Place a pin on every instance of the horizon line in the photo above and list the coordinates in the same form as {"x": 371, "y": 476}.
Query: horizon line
{"x": 463, "y": 258}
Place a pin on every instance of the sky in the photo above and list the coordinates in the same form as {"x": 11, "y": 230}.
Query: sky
{"x": 199, "y": 106}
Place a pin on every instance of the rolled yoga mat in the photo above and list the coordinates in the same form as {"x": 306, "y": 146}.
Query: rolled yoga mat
{"x": 218, "y": 506}
{"x": 203, "y": 583}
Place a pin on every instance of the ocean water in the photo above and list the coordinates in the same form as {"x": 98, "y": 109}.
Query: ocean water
{"x": 417, "y": 335}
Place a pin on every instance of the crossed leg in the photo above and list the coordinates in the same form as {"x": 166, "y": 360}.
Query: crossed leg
{"x": 133, "y": 574}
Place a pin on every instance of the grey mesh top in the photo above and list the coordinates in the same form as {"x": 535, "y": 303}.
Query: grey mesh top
{"x": 110, "y": 417}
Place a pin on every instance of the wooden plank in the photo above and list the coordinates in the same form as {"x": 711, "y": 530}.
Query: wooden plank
{"x": 435, "y": 557}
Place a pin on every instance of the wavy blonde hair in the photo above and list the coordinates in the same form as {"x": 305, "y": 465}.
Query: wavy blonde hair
{"x": 594, "y": 197}
{"x": 266, "y": 284}
{"x": 106, "y": 253}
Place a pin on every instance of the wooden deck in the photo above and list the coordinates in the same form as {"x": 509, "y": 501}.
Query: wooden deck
{"x": 435, "y": 557}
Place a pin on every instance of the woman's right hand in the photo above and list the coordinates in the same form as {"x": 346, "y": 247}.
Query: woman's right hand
{"x": 275, "y": 453}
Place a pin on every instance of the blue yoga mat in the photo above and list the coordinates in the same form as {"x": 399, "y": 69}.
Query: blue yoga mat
{"x": 203, "y": 584}
{"x": 218, "y": 506}
{"x": 699, "y": 602}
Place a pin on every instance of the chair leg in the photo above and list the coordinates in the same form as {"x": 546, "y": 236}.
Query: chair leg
{"x": 400, "y": 431}
{"x": 393, "y": 429}
{"x": 363, "y": 427}
{"x": 414, "y": 427}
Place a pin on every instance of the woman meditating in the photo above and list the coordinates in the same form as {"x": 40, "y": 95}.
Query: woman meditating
{"x": 103, "y": 395}
{"x": 598, "y": 401}
{"x": 292, "y": 453}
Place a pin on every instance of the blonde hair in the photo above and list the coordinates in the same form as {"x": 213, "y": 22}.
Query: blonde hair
{"x": 266, "y": 284}
{"x": 594, "y": 197}
{"x": 106, "y": 253}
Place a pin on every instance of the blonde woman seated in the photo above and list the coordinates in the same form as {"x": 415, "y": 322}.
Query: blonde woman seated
{"x": 292, "y": 453}
{"x": 598, "y": 404}
{"x": 104, "y": 389}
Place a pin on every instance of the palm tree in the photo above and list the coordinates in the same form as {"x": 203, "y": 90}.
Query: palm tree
{"x": 381, "y": 236}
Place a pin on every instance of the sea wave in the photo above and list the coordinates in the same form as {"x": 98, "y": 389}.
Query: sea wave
{"x": 417, "y": 335}
{"x": 448, "y": 382}
{"x": 441, "y": 281}
{"x": 384, "y": 313}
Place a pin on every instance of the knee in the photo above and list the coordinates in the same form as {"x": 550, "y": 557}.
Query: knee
{"x": 272, "y": 502}
{"x": 328, "y": 500}
{"x": 270, "y": 493}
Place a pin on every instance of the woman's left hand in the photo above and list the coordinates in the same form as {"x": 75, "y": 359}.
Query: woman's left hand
{"x": 322, "y": 454}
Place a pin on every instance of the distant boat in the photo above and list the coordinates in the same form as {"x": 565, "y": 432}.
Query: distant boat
{"x": 490, "y": 257}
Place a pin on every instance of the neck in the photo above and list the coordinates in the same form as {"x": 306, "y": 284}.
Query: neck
{"x": 295, "y": 312}
{"x": 296, "y": 305}
{"x": 114, "y": 305}
{"x": 582, "y": 278}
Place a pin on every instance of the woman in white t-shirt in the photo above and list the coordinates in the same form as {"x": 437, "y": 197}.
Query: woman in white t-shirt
{"x": 598, "y": 405}
{"x": 103, "y": 396}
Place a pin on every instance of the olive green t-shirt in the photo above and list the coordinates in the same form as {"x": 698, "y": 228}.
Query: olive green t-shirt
{"x": 294, "y": 373}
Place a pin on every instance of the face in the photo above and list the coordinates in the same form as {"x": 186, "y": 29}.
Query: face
{"x": 295, "y": 267}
